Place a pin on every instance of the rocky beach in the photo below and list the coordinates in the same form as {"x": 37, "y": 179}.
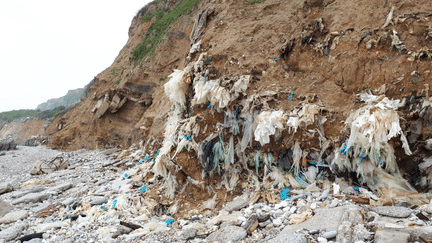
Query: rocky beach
{"x": 100, "y": 197}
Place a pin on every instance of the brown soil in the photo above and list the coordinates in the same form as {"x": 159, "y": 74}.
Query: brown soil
{"x": 246, "y": 39}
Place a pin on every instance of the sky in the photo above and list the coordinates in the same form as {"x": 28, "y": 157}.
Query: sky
{"x": 48, "y": 47}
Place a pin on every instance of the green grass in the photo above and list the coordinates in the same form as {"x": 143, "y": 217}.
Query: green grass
{"x": 256, "y": 1}
{"x": 18, "y": 114}
{"x": 159, "y": 28}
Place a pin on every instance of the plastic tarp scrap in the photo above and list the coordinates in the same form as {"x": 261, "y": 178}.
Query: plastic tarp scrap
{"x": 302, "y": 117}
{"x": 241, "y": 85}
{"x": 202, "y": 90}
{"x": 170, "y": 135}
{"x": 392, "y": 188}
{"x": 268, "y": 122}
{"x": 372, "y": 126}
{"x": 177, "y": 86}
{"x": 220, "y": 97}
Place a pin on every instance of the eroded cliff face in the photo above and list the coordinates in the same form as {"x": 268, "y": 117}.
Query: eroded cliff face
{"x": 271, "y": 62}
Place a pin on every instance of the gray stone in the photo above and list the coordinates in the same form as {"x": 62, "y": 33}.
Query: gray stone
{"x": 292, "y": 238}
{"x": 40, "y": 207}
{"x": 13, "y": 216}
{"x": 35, "y": 240}
{"x": 325, "y": 219}
{"x": 229, "y": 233}
{"x": 5, "y": 187}
{"x": 68, "y": 201}
{"x": 265, "y": 223}
{"x": 352, "y": 216}
{"x": 391, "y": 236}
{"x": 393, "y": 211}
{"x": 13, "y": 232}
{"x": 31, "y": 197}
{"x": 62, "y": 187}
{"x": 34, "y": 189}
{"x": 188, "y": 234}
{"x": 5, "y": 208}
{"x": 119, "y": 184}
{"x": 329, "y": 234}
{"x": 99, "y": 201}
{"x": 236, "y": 204}
{"x": 277, "y": 213}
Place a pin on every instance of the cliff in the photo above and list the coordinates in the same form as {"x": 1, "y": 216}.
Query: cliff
{"x": 263, "y": 85}
{"x": 71, "y": 98}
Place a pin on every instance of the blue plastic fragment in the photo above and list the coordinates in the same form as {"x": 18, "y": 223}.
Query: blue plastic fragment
{"x": 257, "y": 146}
{"x": 312, "y": 163}
{"x": 284, "y": 194}
{"x": 169, "y": 221}
{"x": 208, "y": 60}
{"x": 276, "y": 59}
{"x": 141, "y": 161}
{"x": 103, "y": 207}
{"x": 291, "y": 95}
{"x": 143, "y": 189}
{"x": 114, "y": 203}
{"x": 209, "y": 106}
{"x": 156, "y": 155}
{"x": 356, "y": 188}
{"x": 126, "y": 175}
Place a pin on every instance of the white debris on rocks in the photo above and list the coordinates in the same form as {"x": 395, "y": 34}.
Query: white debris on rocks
{"x": 120, "y": 211}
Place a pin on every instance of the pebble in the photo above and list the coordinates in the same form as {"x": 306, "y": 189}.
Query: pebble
{"x": 266, "y": 208}
{"x": 99, "y": 201}
{"x": 329, "y": 234}
{"x": 277, "y": 222}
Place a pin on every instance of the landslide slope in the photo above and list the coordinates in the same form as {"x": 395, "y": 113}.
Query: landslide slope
{"x": 307, "y": 52}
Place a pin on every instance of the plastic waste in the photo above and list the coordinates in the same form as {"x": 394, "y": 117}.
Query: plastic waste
{"x": 268, "y": 122}
{"x": 372, "y": 126}
{"x": 144, "y": 188}
{"x": 169, "y": 221}
{"x": 284, "y": 194}
{"x": 302, "y": 117}
{"x": 177, "y": 86}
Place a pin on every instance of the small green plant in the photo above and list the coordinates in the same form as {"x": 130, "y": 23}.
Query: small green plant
{"x": 163, "y": 79}
{"x": 118, "y": 81}
{"x": 159, "y": 28}
{"x": 256, "y": 1}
